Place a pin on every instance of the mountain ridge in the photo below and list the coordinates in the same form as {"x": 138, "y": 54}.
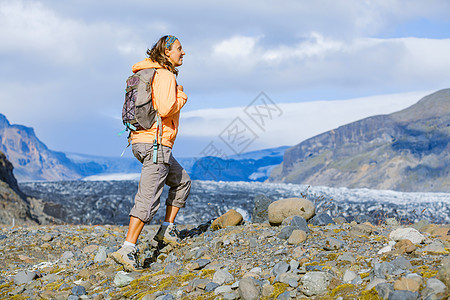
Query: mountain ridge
{"x": 404, "y": 151}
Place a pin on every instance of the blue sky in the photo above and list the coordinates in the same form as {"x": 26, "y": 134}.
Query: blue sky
{"x": 320, "y": 64}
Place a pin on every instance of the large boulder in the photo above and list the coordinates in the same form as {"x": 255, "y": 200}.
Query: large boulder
{"x": 281, "y": 209}
{"x": 407, "y": 233}
{"x": 230, "y": 218}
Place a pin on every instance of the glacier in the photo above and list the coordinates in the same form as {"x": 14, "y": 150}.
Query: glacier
{"x": 109, "y": 201}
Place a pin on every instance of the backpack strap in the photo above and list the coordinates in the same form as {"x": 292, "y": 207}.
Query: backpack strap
{"x": 155, "y": 142}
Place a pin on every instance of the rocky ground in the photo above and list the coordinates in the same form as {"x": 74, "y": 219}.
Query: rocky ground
{"x": 321, "y": 259}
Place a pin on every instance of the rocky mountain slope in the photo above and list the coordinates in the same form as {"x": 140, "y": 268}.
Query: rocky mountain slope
{"x": 16, "y": 208}
{"x": 31, "y": 158}
{"x": 404, "y": 151}
{"x": 13, "y": 202}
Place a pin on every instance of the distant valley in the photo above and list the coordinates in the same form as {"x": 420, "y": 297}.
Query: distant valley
{"x": 33, "y": 161}
{"x": 404, "y": 151}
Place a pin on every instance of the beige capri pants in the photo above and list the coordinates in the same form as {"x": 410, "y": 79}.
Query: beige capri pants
{"x": 153, "y": 178}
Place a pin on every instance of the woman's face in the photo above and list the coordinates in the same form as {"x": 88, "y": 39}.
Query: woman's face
{"x": 175, "y": 54}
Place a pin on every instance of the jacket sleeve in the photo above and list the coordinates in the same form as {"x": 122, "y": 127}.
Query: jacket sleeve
{"x": 167, "y": 99}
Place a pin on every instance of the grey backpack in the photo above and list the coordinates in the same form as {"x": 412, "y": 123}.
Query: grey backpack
{"x": 138, "y": 112}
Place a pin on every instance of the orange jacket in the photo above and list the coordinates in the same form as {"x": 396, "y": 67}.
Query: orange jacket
{"x": 167, "y": 99}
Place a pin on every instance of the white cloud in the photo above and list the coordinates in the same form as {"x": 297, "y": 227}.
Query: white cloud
{"x": 318, "y": 60}
{"x": 69, "y": 59}
{"x": 298, "y": 121}
{"x": 235, "y": 47}
{"x": 29, "y": 27}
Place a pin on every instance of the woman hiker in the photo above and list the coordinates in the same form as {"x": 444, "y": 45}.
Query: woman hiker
{"x": 168, "y": 98}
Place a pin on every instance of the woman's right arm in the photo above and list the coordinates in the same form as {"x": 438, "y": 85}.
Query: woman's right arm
{"x": 168, "y": 97}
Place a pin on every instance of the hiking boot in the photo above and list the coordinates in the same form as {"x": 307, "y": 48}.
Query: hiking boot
{"x": 168, "y": 235}
{"x": 127, "y": 256}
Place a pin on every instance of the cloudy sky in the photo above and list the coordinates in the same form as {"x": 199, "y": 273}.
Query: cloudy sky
{"x": 276, "y": 72}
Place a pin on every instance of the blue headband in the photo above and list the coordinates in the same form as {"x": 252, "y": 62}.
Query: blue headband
{"x": 170, "y": 39}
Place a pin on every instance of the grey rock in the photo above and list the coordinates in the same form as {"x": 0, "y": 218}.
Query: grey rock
{"x": 357, "y": 281}
{"x": 435, "y": 246}
{"x": 223, "y": 289}
{"x": 201, "y": 263}
{"x": 286, "y": 232}
{"x": 435, "y": 286}
{"x": 24, "y": 277}
{"x": 421, "y": 224}
{"x": 199, "y": 283}
{"x": 101, "y": 255}
{"x": 156, "y": 266}
{"x": 172, "y": 268}
{"x": 196, "y": 253}
{"x": 280, "y": 268}
{"x": 293, "y": 265}
{"x": 374, "y": 282}
{"x": 347, "y": 257}
{"x": 66, "y": 256}
{"x": 444, "y": 272}
{"x": 165, "y": 297}
{"x": 332, "y": 243}
{"x": 222, "y": 276}
{"x": 315, "y": 283}
{"x": 297, "y": 222}
{"x": 314, "y": 268}
{"x": 403, "y": 295}
{"x": 284, "y": 296}
{"x": 249, "y": 289}
{"x": 289, "y": 278}
{"x": 398, "y": 272}
{"x": 349, "y": 276}
{"x": 384, "y": 290}
{"x": 73, "y": 297}
{"x": 78, "y": 290}
{"x": 383, "y": 269}
{"x": 321, "y": 219}
{"x": 260, "y": 212}
{"x": 230, "y": 296}
{"x": 211, "y": 286}
{"x": 171, "y": 258}
{"x": 122, "y": 279}
{"x": 401, "y": 263}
